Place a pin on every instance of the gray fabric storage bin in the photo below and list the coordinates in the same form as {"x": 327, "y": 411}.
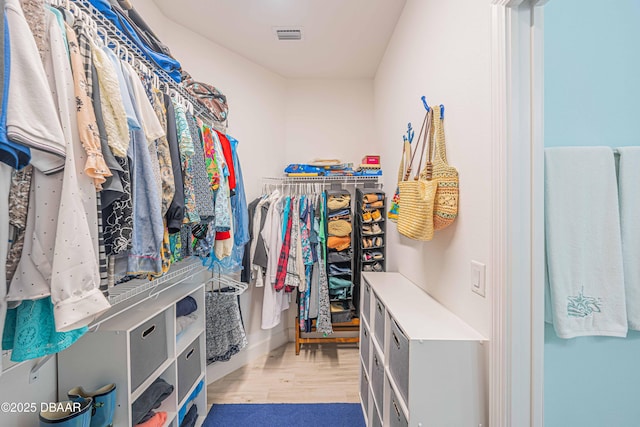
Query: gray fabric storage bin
{"x": 396, "y": 416}
{"x": 364, "y": 389}
{"x": 399, "y": 359}
{"x": 189, "y": 368}
{"x": 379, "y": 317}
{"x": 366, "y": 302}
{"x": 148, "y": 348}
{"x": 377, "y": 378}
{"x": 365, "y": 345}
{"x": 377, "y": 421}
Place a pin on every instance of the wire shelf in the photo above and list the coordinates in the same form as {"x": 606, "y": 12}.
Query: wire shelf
{"x": 132, "y": 288}
{"x": 330, "y": 178}
{"x": 113, "y": 32}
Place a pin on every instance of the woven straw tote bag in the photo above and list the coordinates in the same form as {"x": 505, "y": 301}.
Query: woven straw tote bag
{"x": 445, "y": 208}
{"x": 415, "y": 216}
{"x": 404, "y": 162}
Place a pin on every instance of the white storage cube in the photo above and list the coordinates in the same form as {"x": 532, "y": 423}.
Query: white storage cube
{"x": 424, "y": 360}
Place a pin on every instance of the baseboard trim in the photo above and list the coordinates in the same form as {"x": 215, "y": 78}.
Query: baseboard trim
{"x": 218, "y": 370}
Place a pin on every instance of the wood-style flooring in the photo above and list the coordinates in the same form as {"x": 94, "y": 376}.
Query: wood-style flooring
{"x": 322, "y": 373}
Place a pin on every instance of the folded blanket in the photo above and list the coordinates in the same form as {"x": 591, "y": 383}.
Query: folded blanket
{"x": 185, "y": 306}
{"x": 150, "y": 399}
{"x": 583, "y": 242}
{"x": 339, "y": 243}
{"x": 157, "y": 420}
{"x": 191, "y": 417}
{"x": 183, "y": 322}
{"x": 182, "y": 412}
{"x": 339, "y": 228}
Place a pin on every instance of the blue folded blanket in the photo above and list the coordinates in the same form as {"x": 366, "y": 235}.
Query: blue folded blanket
{"x": 186, "y": 306}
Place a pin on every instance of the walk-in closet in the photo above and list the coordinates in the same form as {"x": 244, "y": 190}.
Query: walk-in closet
{"x": 249, "y": 213}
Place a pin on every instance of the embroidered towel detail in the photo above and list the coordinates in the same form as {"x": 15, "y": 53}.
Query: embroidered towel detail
{"x": 583, "y": 243}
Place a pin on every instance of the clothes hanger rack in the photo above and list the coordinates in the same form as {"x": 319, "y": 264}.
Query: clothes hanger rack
{"x": 124, "y": 47}
{"x": 224, "y": 284}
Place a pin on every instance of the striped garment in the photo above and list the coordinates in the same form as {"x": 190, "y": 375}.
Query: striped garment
{"x": 84, "y": 47}
{"x": 283, "y": 261}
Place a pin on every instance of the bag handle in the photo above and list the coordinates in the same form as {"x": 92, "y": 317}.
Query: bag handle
{"x": 427, "y": 172}
{"x": 404, "y": 159}
{"x": 424, "y": 131}
{"x": 440, "y": 145}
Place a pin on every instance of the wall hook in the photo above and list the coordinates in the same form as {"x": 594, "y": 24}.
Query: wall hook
{"x": 410, "y": 133}
{"x": 424, "y": 102}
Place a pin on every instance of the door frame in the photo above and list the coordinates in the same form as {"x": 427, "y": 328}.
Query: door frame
{"x": 517, "y": 345}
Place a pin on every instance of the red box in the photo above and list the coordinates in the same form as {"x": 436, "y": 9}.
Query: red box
{"x": 371, "y": 160}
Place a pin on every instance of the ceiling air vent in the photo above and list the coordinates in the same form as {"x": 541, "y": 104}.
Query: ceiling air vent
{"x": 288, "y": 33}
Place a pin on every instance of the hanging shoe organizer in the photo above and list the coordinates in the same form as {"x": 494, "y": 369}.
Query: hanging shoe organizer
{"x": 370, "y": 212}
{"x": 340, "y": 263}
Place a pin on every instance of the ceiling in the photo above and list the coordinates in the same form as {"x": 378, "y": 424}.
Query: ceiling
{"x": 340, "y": 38}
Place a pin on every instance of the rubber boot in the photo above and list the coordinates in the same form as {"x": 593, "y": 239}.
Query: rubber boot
{"x": 68, "y": 414}
{"x": 104, "y": 403}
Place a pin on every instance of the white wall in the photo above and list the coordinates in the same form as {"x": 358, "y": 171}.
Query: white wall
{"x": 441, "y": 49}
{"x": 277, "y": 122}
{"x": 329, "y": 119}
{"x": 454, "y": 72}
{"x": 15, "y": 388}
{"x": 257, "y": 104}
{"x": 256, "y": 96}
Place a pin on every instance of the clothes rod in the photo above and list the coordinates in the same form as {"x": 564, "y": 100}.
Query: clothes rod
{"x": 113, "y": 32}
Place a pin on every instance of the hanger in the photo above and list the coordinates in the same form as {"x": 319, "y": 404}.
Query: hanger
{"x": 226, "y": 285}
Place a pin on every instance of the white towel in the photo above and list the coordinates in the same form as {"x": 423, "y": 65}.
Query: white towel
{"x": 583, "y": 242}
{"x": 628, "y": 180}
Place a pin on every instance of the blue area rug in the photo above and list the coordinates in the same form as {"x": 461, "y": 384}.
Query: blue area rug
{"x": 286, "y": 415}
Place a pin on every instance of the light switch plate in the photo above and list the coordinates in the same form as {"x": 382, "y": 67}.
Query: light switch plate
{"x": 478, "y": 273}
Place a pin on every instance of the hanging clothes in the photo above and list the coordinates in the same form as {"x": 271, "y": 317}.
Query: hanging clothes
{"x": 175, "y": 213}
{"x": 148, "y": 228}
{"x": 225, "y": 331}
{"x": 187, "y": 151}
{"x": 274, "y": 303}
{"x": 201, "y": 184}
{"x": 74, "y": 303}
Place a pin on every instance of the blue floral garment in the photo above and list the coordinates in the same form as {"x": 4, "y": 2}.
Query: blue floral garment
{"x": 29, "y": 331}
